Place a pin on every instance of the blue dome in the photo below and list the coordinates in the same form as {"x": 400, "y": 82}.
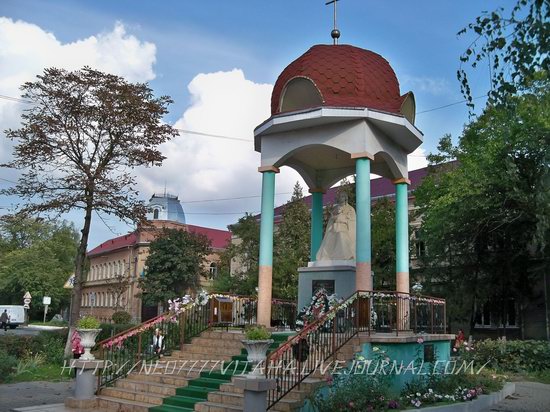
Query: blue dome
{"x": 165, "y": 207}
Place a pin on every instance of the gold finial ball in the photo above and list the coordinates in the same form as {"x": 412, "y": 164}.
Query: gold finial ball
{"x": 335, "y": 34}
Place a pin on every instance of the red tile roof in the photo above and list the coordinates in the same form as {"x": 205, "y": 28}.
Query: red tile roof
{"x": 346, "y": 76}
{"x": 116, "y": 243}
{"x": 220, "y": 238}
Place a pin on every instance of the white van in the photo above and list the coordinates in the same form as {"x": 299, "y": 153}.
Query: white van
{"x": 16, "y": 314}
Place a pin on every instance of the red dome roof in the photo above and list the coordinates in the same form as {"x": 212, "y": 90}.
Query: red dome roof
{"x": 345, "y": 76}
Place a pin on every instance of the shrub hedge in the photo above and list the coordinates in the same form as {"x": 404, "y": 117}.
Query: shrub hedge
{"x": 121, "y": 318}
{"x": 514, "y": 356}
{"x": 109, "y": 329}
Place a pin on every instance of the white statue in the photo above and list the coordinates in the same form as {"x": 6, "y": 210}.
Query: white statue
{"x": 339, "y": 240}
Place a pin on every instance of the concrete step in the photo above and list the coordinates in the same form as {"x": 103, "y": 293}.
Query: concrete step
{"x": 130, "y": 395}
{"x": 175, "y": 380}
{"x": 122, "y": 405}
{"x": 157, "y": 388}
{"x": 216, "y": 407}
{"x": 226, "y": 398}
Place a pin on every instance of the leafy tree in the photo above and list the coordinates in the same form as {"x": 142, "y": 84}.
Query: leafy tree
{"x": 242, "y": 255}
{"x": 486, "y": 222}
{"x": 291, "y": 245}
{"x": 175, "y": 262}
{"x": 77, "y": 143}
{"x": 383, "y": 243}
{"x": 514, "y": 45}
{"x": 36, "y": 256}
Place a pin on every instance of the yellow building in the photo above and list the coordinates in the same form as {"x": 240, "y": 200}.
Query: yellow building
{"x": 116, "y": 265}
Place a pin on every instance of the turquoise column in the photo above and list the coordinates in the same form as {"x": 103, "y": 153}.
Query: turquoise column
{"x": 402, "y": 251}
{"x": 363, "y": 276}
{"x": 316, "y": 223}
{"x": 402, "y": 235}
{"x": 265, "y": 275}
{"x": 266, "y": 225}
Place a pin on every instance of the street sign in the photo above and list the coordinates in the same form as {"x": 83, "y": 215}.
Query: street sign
{"x": 26, "y": 306}
{"x": 46, "y": 300}
{"x": 69, "y": 284}
{"x": 26, "y": 301}
{"x": 27, "y": 296}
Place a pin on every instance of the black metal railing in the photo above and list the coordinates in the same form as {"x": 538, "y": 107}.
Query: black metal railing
{"x": 364, "y": 311}
{"x": 125, "y": 351}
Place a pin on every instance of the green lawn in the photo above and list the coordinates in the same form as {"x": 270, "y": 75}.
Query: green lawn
{"x": 50, "y": 373}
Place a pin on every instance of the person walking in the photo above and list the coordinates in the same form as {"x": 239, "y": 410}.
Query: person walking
{"x": 4, "y": 320}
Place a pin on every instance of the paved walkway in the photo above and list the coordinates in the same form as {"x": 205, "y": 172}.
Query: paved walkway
{"x": 529, "y": 397}
{"x": 49, "y": 397}
{"x": 20, "y": 395}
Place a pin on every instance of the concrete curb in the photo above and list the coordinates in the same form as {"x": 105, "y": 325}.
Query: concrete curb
{"x": 476, "y": 405}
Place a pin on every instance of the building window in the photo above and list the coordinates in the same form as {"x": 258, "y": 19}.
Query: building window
{"x": 213, "y": 270}
{"x": 492, "y": 315}
{"x": 155, "y": 214}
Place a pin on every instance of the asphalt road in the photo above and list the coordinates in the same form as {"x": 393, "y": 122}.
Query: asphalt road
{"x": 529, "y": 397}
{"x": 27, "y": 330}
{"x": 19, "y": 395}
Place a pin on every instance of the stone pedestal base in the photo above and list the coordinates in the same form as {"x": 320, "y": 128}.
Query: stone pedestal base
{"x": 342, "y": 278}
{"x": 85, "y": 384}
{"x": 255, "y": 392}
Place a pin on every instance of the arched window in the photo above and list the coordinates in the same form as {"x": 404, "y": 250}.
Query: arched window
{"x": 213, "y": 270}
{"x": 300, "y": 93}
{"x": 155, "y": 214}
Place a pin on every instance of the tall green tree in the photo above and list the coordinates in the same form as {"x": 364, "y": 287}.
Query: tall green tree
{"x": 383, "y": 243}
{"x": 175, "y": 263}
{"x": 291, "y": 245}
{"x": 486, "y": 222}
{"x": 36, "y": 256}
{"x": 77, "y": 144}
{"x": 238, "y": 271}
{"x": 512, "y": 44}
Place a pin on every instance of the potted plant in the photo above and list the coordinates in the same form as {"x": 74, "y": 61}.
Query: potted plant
{"x": 88, "y": 329}
{"x": 256, "y": 344}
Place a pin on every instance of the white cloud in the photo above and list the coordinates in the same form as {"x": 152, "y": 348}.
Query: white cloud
{"x": 417, "y": 159}
{"x": 435, "y": 86}
{"x": 26, "y": 49}
{"x": 203, "y": 167}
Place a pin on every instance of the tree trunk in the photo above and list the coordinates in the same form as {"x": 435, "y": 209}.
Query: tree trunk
{"x": 76, "y": 297}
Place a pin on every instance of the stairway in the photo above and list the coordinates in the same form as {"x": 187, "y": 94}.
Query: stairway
{"x": 178, "y": 382}
{"x": 229, "y": 398}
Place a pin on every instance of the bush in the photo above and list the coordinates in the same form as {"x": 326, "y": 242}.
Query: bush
{"x": 359, "y": 392}
{"x": 88, "y": 322}
{"x": 108, "y": 330}
{"x": 52, "y": 345}
{"x": 18, "y": 346}
{"x": 121, "y": 318}
{"x": 515, "y": 356}
{"x": 257, "y": 333}
{"x": 7, "y": 365}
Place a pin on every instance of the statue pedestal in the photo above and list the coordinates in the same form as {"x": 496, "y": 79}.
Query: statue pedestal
{"x": 339, "y": 279}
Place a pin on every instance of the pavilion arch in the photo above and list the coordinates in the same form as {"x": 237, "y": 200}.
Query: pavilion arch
{"x": 299, "y": 93}
{"x": 318, "y": 163}
{"x": 385, "y": 165}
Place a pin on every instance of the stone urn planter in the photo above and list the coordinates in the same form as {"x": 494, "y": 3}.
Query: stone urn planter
{"x": 257, "y": 343}
{"x": 88, "y": 329}
{"x": 87, "y": 340}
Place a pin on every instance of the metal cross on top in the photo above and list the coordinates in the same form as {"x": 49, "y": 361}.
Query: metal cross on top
{"x": 335, "y": 33}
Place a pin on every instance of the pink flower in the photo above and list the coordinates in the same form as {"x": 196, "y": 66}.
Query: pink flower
{"x": 420, "y": 340}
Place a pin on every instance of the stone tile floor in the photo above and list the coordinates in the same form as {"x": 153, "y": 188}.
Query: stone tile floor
{"x": 49, "y": 397}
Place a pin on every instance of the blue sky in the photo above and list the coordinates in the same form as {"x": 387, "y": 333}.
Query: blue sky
{"x": 190, "y": 50}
